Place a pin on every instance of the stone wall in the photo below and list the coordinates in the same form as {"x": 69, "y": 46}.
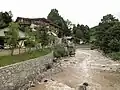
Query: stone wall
{"x": 18, "y": 75}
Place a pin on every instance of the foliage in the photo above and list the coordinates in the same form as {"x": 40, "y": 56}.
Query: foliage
{"x": 7, "y": 60}
{"x": 59, "y": 51}
{"x": 12, "y": 36}
{"x": 5, "y": 19}
{"x": 52, "y": 39}
{"x": 58, "y": 20}
{"x": 115, "y": 55}
{"x": 81, "y": 32}
{"x": 42, "y": 35}
{"x": 107, "y": 34}
{"x": 69, "y": 24}
{"x": 30, "y": 38}
{"x": 64, "y": 49}
{"x": 71, "y": 50}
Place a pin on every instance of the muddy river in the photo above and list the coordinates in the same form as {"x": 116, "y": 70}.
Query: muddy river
{"x": 88, "y": 66}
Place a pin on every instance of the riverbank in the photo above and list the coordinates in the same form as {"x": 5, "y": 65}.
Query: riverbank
{"x": 89, "y": 66}
{"x": 8, "y": 59}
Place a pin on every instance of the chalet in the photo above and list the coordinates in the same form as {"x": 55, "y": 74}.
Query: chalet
{"x": 32, "y": 22}
{"x": 36, "y": 22}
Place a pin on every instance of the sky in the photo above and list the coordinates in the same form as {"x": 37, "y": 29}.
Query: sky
{"x": 87, "y": 12}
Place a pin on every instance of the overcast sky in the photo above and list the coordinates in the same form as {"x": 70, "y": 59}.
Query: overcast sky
{"x": 87, "y": 12}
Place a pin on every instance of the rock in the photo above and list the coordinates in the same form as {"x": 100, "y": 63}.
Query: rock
{"x": 9, "y": 73}
{"x": 103, "y": 65}
{"x": 45, "y": 80}
{"x": 85, "y": 84}
{"x": 52, "y": 79}
{"x": 10, "y": 84}
{"x": 74, "y": 62}
{"x": 32, "y": 84}
{"x": 81, "y": 87}
{"x": 66, "y": 60}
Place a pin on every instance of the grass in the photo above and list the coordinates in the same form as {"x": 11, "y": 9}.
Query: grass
{"x": 114, "y": 55}
{"x": 7, "y": 60}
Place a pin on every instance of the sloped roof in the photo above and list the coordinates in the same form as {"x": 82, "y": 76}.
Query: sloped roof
{"x": 21, "y": 34}
{"x": 38, "y": 19}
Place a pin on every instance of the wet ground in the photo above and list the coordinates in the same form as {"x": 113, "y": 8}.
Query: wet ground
{"x": 89, "y": 66}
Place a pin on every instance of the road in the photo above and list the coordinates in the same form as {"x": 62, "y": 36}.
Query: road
{"x": 89, "y": 66}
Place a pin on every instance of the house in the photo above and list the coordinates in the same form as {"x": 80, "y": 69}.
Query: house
{"x": 36, "y": 22}
{"x": 2, "y": 37}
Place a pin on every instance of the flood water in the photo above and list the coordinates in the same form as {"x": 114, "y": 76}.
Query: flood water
{"x": 88, "y": 66}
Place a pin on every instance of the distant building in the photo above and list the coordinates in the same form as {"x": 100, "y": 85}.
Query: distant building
{"x": 37, "y": 22}
{"x": 34, "y": 22}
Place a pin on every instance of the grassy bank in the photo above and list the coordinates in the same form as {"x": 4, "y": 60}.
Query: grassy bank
{"x": 7, "y": 60}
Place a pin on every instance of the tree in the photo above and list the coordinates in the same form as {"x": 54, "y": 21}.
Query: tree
{"x": 107, "y": 34}
{"x": 69, "y": 28}
{"x": 5, "y": 19}
{"x": 69, "y": 24}
{"x": 108, "y": 18}
{"x": 85, "y": 33}
{"x": 12, "y": 36}
{"x": 81, "y": 32}
{"x": 58, "y": 20}
{"x": 30, "y": 38}
{"x": 43, "y": 36}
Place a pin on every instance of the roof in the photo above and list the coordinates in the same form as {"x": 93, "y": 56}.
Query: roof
{"x": 37, "y": 19}
{"x": 2, "y": 34}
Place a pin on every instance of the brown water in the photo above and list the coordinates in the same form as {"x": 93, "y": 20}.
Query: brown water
{"x": 87, "y": 66}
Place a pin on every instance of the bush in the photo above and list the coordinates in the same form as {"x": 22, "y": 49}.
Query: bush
{"x": 60, "y": 51}
{"x": 115, "y": 55}
{"x": 92, "y": 47}
{"x": 29, "y": 43}
{"x": 71, "y": 50}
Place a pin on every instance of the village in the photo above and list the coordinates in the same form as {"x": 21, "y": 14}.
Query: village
{"x": 56, "y": 53}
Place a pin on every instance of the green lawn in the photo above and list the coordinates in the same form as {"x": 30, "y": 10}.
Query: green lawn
{"x": 7, "y": 60}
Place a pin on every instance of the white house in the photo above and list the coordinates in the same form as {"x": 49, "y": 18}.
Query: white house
{"x": 2, "y": 37}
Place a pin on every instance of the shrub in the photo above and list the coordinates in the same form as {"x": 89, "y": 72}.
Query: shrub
{"x": 115, "y": 55}
{"x": 71, "y": 50}
{"x": 60, "y": 51}
{"x": 29, "y": 43}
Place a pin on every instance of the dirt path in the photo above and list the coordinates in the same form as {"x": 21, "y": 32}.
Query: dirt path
{"x": 88, "y": 66}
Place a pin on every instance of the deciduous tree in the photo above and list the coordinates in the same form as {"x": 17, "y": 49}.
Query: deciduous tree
{"x": 12, "y": 36}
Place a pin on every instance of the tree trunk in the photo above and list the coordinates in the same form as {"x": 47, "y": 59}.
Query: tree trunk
{"x": 25, "y": 49}
{"x": 20, "y": 47}
{"x": 29, "y": 51}
{"x": 12, "y": 51}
